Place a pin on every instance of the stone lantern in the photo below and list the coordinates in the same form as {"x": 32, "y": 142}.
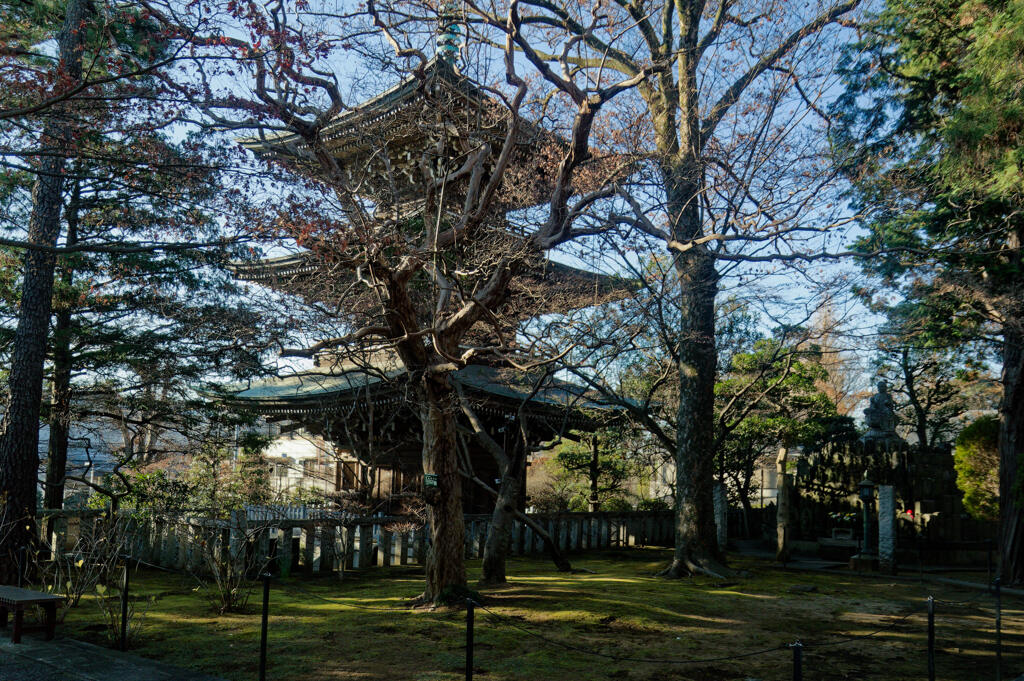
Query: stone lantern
{"x": 867, "y": 559}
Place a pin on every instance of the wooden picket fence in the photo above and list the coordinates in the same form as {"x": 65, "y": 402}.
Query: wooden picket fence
{"x": 323, "y": 544}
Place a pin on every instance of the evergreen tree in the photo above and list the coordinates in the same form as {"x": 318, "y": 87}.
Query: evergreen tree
{"x": 930, "y": 136}
{"x": 133, "y": 266}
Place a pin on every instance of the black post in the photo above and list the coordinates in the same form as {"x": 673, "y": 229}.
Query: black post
{"x": 124, "y": 608}
{"x": 988, "y": 567}
{"x": 999, "y": 630}
{"x": 263, "y": 626}
{"x": 469, "y": 639}
{"x": 931, "y": 639}
{"x": 798, "y": 660}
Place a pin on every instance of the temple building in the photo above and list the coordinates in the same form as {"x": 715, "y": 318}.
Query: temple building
{"x": 356, "y": 401}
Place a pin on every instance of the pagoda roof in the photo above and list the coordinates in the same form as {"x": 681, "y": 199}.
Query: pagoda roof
{"x": 398, "y": 123}
{"x": 359, "y": 128}
{"x": 546, "y": 287}
{"x": 498, "y": 390}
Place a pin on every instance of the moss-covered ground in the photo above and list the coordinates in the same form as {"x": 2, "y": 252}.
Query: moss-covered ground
{"x": 617, "y": 607}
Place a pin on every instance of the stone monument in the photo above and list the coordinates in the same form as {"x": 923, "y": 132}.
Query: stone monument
{"x": 887, "y": 528}
{"x": 880, "y": 417}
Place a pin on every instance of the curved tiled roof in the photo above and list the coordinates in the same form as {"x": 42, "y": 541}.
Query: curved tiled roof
{"x": 323, "y": 390}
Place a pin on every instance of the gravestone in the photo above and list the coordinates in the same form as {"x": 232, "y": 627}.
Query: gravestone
{"x": 887, "y": 528}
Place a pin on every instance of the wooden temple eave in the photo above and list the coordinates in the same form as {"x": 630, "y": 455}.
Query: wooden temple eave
{"x": 555, "y": 287}
{"x": 288, "y": 409}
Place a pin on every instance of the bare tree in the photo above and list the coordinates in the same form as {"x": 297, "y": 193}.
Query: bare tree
{"x": 410, "y": 219}
{"x": 736, "y": 179}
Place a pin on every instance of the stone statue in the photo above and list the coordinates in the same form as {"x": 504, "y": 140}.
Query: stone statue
{"x": 880, "y": 417}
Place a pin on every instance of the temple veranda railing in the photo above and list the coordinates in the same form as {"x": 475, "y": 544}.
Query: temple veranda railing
{"x": 323, "y": 542}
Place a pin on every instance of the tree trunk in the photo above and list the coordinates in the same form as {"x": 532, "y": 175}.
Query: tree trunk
{"x": 748, "y": 512}
{"x": 60, "y": 413}
{"x": 19, "y": 440}
{"x": 696, "y": 549}
{"x": 696, "y": 537}
{"x": 59, "y": 420}
{"x": 60, "y": 400}
{"x": 1011, "y": 442}
{"x": 920, "y": 416}
{"x": 446, "y": 569}
{"x": 595, "y": 473}
{"x": 499, "y": 533}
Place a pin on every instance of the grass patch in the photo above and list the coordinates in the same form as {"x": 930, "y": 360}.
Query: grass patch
{"x": 328, "y": 629}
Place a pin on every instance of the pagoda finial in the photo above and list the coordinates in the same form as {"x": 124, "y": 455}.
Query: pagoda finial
{"x": 449, "y": 32}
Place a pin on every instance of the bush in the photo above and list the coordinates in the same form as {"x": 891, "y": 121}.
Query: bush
{"x": 653, "y": 505}
{"x": 110, "y": 606}
{"x": 549, "y": 500}
{"x": 976, "y": 459}
{"x": 616, "y": 504}
{"x": 75, "y": 570}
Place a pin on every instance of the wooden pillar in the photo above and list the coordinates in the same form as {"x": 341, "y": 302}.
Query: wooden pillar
{"x": 327, "y": 547}
{"x": 284, "y": 549}
{"x": 365, "y": 545}
{"x": 420, "y": 546}
{"x": 470, "y": 540}
{"x": 403, "y": 556}
{"x": 308, "y": 547}
{"x": 349, "y": 547}
{"x": 384, "y": 548}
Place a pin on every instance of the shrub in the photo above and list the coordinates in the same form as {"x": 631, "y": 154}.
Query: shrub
{"x": 653, "y": 505}
{"x": 110, "y": 606}
{"x": 976, "y": 459}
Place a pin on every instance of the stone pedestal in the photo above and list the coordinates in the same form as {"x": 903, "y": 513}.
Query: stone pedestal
{"x": 887, "y": 528}
{"x": 864, "y": 562}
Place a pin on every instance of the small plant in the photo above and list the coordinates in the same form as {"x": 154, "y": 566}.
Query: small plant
{"x": 109, "y": 601}
{"x": 232, "y": 557}
{"x": 78, "y": 569}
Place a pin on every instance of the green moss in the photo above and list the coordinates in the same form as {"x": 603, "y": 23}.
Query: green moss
{"x": 330, "y": 629}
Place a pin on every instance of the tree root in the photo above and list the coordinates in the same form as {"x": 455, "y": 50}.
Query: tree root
{"x": 451, "y": 597}
{"x": 690, "y": 567}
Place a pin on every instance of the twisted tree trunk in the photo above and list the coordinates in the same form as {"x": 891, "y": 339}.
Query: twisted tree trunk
{"x": 499, "y": 532}
{"x": 446, "y": 569}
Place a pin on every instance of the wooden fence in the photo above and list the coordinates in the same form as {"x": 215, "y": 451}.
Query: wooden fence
{"x": 323, "y": 545}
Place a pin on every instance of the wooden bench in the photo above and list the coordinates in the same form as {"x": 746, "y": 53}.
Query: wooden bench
{"x": 13, "y": 598}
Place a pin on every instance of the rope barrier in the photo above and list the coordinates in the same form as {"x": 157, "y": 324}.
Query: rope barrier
{"x": 299, "y": 589}
{"x": 861, "y": 637}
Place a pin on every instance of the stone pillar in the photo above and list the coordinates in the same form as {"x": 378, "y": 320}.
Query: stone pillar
{"x": 783, "y": 531}
{"x": 887, "y": 528}
{"x": 721, "y": 515}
